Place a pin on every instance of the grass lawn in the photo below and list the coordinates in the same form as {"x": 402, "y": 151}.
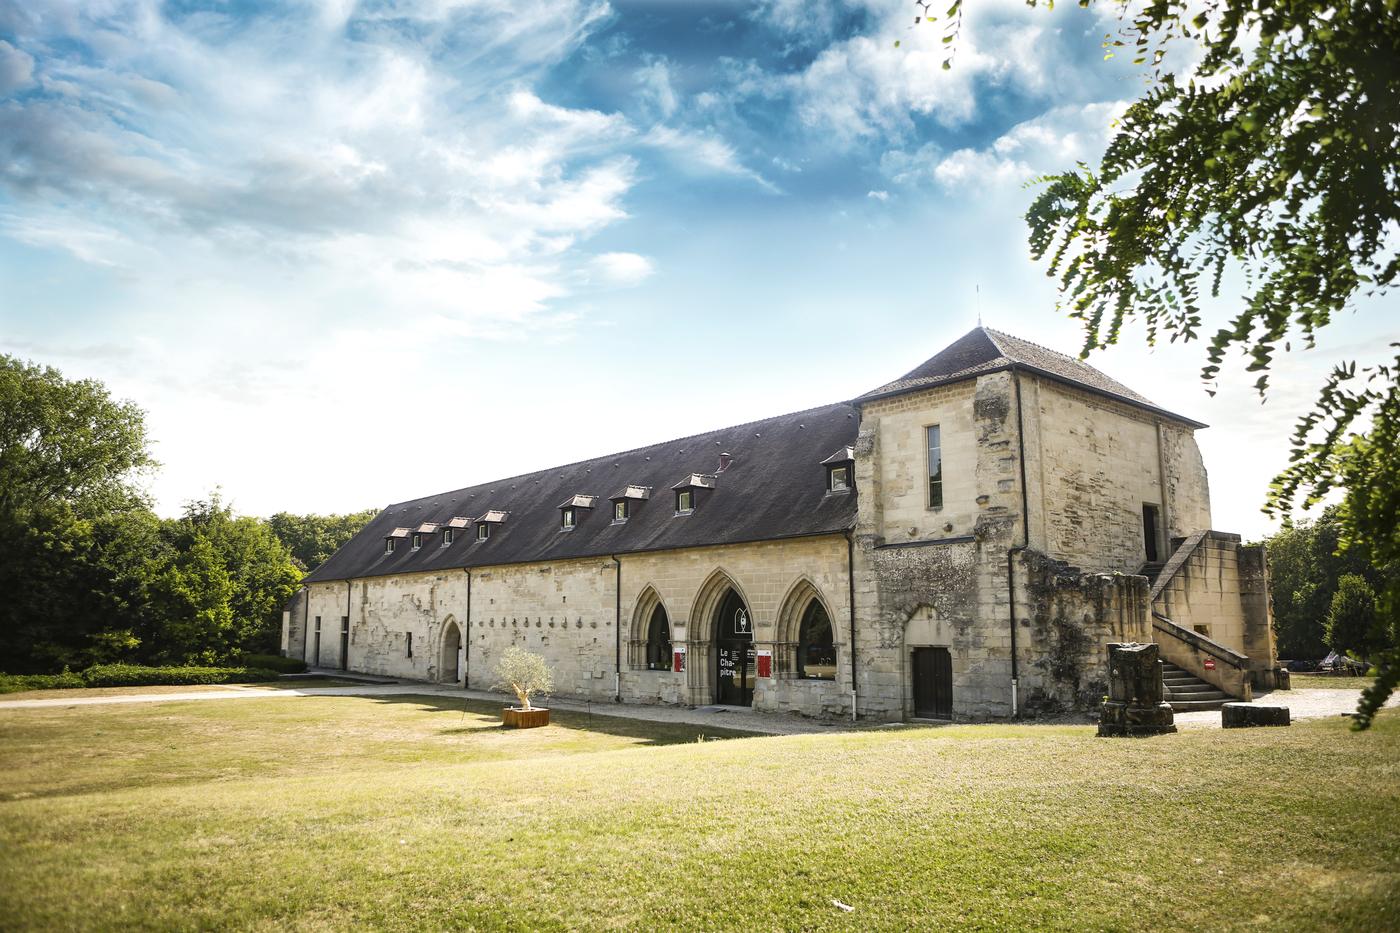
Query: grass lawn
{"x": 1329, "y": 682}
{"x": 402, "y": 812}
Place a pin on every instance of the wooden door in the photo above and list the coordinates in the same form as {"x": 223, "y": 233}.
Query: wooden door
{"x": 933, "y": 683}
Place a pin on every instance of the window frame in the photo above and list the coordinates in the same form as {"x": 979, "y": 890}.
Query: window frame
{"x": 389, "y": 545}
{"x": 654, "y": 659}
{"x": 417, "y": 541}
{"x": 689, "y": 496}
{"x": 932, "y": 501}
{"x": 483, "y": 531}
{"x": 622, "y": 511}
{"x": 845, "y": 470}
{"x": 568, "y": 518}
{"x": 447, "y": 536}
{"x": 802, "y": 642}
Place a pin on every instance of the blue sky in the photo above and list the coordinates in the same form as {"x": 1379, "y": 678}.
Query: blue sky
{"x": 352, "y": 253}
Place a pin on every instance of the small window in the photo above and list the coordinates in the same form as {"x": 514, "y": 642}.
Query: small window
{"x": 659, "y": 641}
{"x": 483, "y": 531}
{"x": 620, "y": 510}
{"x": 446, "y": 537}
{"x": 318, "y": 625}
{"x": 685, "y": 500}
{"x": 935, "y": 466}
{"x": 408, "y": 637}
{"x": 840, "y": 479}
{"x": 569, "y": 520}
{"x": 1202, "y": 630}
{"x": 417, "y": 540}
{"x": 388, "y": 545}
{"x": 816, "y": 648}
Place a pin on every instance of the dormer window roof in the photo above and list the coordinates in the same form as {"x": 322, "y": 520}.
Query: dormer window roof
{"x": 398, "y": 533}
{"x": 458, "y": 521}
{"x": 632, "y": 492}
{"x": 579, "y": 502}
{"x": 696, "y": 481}
{"x": 427, "y": 528}
{"x": 844, "y": 455}
{"x": 494, "y": 516}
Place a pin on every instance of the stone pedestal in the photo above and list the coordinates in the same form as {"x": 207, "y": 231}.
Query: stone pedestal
{"x": 1134, "y": 705}
{"x": 1240, "y": 715}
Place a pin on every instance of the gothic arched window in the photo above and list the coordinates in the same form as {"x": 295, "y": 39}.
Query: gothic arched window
{"x": 816, "y": 648}
{"x": 659, "y": 640}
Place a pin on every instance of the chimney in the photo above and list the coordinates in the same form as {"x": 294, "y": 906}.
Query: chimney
{"x": 724, "y": 461}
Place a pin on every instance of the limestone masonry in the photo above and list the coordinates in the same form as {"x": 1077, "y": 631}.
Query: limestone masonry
{"x": 963, "y": 542}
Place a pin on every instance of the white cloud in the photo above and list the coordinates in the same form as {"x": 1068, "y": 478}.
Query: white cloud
{"x": 881, "y": 196}
{"x": 16, "y": 68}
{"x": 623, "y": 268}
{"x": 1054, "y": 140}
{"x": 703, "y": 153}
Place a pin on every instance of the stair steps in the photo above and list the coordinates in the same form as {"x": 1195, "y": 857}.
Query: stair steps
{"x": 1188, "y": 693}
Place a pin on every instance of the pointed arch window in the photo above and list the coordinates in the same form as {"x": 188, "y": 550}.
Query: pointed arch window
{"x": 659, "y": 640}
{"x": 816, "y": 646}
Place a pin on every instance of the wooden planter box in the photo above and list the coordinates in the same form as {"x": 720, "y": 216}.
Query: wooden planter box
{"x": 515, "y": 718}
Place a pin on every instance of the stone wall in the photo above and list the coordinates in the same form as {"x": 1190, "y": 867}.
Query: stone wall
{"x": 1203, "y": 593}
{"x": 1093, "y": 464}
{"x": 567, "y": 611}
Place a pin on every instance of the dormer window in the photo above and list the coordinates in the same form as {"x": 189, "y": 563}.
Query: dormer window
{"x": 417, "y": 540}
{"x": 483, "y": 531}
{"x": 569, "y": 519}
{"x": 622, "y": 501}
{"x": 840, "y": 470}
{"x": 484, "y": 523}
{"x": 687, "y": 490}
{"x": 573, "y": 509}
{"x": 391, "y": 540}
{"x": 620, "y": 511}
{"x": 446, "y": 536}
{"x": 685, "y": 501}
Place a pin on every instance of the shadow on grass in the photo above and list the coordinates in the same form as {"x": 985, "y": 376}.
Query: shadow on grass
{"x": 648, "y": 732}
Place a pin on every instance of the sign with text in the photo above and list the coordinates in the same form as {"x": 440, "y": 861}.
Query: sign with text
{"x": 678, "y": 659}
{"x": 765, "y": 662}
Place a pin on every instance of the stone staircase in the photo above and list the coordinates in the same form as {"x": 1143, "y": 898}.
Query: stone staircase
{"x": 1187, "y": 693}
{"x": 1152, "y": 571}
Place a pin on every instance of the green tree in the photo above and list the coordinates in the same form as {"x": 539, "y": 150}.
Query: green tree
{"x": 71, "y": 518}
{"x": 314, "y": 538}
{"x": 1351, "y": 618}
{"x": 217, "y": 587}
{"x": 1277, "y": 159}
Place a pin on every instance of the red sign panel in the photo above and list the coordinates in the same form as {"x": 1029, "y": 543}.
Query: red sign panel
{"x": 678, "y": 660}
{"x": 1210, "y": 664}
{"x": 765, "y": 664}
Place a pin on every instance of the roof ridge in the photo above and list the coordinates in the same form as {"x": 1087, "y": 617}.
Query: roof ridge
{"x": 624, "y": 453}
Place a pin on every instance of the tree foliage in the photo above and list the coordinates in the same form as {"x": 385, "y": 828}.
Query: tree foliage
{"x": 314, "y": 538}
{"x": 523, "y": 673}
{"x": 1352, "y": 625}
{"x": 1276, "y": 160}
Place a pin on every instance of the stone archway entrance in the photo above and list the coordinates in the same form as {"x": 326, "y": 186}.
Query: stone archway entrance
{"x": 734, "y": 652}
{"x": 450, "y": 663}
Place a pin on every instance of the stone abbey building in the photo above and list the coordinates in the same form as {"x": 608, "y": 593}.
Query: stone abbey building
{"x": 959, "y": 543}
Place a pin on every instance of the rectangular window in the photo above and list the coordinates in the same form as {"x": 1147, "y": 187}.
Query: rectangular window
{"x": 620, "y": 511}
{"x": 318, "y": 624}
{"x": 569, "y": 518}
{"x": 446, "y": 537}
{"x": 483, "y": 531}
{"x": 935, "y": 467}
{"x": 417, "y": 540}
{"x": 685, "y": 500}
{"x": 840, "y": 478}
{"x": 388, "y": 545}
{"x": 408, "y": 637}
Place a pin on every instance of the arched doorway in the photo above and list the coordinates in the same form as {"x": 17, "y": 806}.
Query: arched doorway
{"x": 450, "y": 663}
{"x": 734, "y": 652}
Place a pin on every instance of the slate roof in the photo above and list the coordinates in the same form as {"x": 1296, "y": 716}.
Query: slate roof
{"x": 774, "y": 488}
{"x": 983, "y": 350}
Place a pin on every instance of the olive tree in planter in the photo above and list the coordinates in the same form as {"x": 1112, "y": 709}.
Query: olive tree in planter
{"x": 525, "y": 674}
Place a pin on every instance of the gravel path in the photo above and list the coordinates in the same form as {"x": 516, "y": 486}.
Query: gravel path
{"x": 737, "y": 718}
{"x": 1302, "y": 704}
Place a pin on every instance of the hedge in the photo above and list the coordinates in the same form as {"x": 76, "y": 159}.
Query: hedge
{"x": 135, "y": 675}
{"x": 14, "y": 683}
{"x": 274, "y": 662}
